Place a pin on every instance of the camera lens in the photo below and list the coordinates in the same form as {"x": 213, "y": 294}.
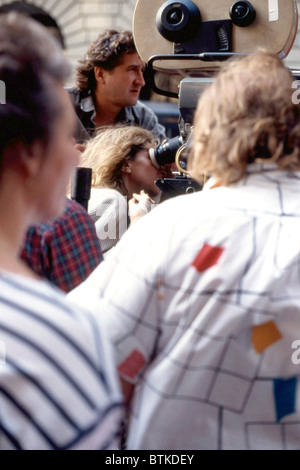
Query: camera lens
{"x": 178, "y": 21}
{"x": 240, "y": 10}
{"x": 174, "y": 16}
{"x": 242, "y": 13}
{"x": 166, "y": 152}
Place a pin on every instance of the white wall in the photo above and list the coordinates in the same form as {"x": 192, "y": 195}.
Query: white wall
{"x": 82, "y": 20}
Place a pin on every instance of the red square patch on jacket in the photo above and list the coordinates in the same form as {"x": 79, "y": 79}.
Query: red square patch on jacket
{"x": 207, "y": 257}
{"x": 132, "y": 364}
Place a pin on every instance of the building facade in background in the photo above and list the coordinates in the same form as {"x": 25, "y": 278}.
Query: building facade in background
{"x": 82, "y": 20}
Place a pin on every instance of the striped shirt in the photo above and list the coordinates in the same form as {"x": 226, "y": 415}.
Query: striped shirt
{"x": 58, "y": 388}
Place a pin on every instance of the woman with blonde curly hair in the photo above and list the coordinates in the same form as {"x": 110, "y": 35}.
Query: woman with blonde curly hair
{"x": 122, "y": 174}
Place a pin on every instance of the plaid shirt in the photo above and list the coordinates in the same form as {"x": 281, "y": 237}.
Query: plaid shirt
{"x": 66, "y": 251}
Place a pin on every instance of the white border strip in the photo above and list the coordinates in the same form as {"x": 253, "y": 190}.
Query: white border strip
{"x": 273, "y": 10}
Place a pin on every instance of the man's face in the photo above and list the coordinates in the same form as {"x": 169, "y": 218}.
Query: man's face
{"x": 121, "y": 86}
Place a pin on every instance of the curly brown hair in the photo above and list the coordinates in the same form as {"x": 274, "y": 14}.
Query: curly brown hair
{"x": 247, "y": 114}
{"x": 106, "y": 51}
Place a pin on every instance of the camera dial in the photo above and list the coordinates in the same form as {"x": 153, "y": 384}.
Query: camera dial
{"x": 242, "y": 13}
{"x": 178, "y": 21}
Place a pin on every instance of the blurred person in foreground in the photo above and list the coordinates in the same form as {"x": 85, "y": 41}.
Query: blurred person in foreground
{"x": 38, "y": 14}
{"x": 123, "y": 180}
{"x": 108, "y": 81}
{"x": 58, "y": 389}
{"x": 205, "y": 325}
{"x": 65, "y": 250}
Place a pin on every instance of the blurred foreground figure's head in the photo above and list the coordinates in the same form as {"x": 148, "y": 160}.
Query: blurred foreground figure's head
{"x": 36, "y": 13}
{"x": 37, "y": 119}
{"x": 247, "y": 115}
{"x": 31, "y": 64}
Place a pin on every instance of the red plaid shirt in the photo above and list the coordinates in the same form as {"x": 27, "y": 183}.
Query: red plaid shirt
{"x": 66, "y": 251}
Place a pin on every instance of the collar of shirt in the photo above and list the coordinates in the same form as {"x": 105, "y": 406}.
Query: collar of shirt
{"x": 87, "y": 106}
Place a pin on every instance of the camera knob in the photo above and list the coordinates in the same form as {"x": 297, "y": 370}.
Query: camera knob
{"x": 242, "y": 13}
{"x": 177, "y": 21}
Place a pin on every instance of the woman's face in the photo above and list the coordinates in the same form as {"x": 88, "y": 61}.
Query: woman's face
{"x": 57, "y": 163}
{"x": 143, "y": 173}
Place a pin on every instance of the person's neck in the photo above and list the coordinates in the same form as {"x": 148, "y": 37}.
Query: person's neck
{"x": 104, "y": 119}
{"x": 106, "y": 112}
{"x": 14, "y": 219}
{"x": 10, "y": 257}
{"x": 11, "y": 229}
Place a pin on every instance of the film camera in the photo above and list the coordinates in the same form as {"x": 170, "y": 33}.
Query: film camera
{"x": 190, "y": 39}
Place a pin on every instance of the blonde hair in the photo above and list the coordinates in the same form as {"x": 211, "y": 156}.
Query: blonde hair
{"x": 107, "y": 152}
{"x": 246, "y": 114}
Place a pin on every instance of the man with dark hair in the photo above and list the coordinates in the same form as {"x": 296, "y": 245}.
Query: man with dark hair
{"x": 107, "y": 86}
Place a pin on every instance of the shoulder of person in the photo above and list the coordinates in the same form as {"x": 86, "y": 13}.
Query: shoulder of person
{"x": 107, "y": 193}
{"x": 142, "y": 107}
{"x": 76, "y": 95}
{"x": 71, "y": 209}
{"x": 147, "y": 118}
{"x": 106, "y": 199}
{"x": 73, "y": 92}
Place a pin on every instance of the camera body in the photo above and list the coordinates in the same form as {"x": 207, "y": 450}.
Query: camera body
{"x": 211, "y": 29}
{"x": 191, "y": 39}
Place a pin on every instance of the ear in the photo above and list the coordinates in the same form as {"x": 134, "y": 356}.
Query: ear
{"x": 126, "y": 167}
{"x": 31, "y": 159}
{"x": 99, "y": 73}
{"x": 24, "y": 159}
